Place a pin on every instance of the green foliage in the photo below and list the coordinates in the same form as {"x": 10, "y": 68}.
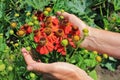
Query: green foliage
{"x": 38, "y": 4}
{"x": 110, "y": 64}
{"x": 102, "y": 14}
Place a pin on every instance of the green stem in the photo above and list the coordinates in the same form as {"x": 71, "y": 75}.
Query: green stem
{"x": 78, "y": 45}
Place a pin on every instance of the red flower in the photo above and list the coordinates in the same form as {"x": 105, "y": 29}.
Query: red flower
{"x": 40, "y": 15}
{"x": 61, "y": 49}
{"x": 49, "y": 34}
{"x": 37, "y": 35}
{"x": 44, "y": 46}
{"x": 66, "y": 26}
{"x": 26, "y": 28}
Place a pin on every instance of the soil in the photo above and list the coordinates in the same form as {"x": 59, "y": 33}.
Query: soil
{"x": 104, "y": 74}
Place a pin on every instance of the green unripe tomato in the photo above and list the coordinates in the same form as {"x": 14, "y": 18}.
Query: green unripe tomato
{"x": 64, "y": 42}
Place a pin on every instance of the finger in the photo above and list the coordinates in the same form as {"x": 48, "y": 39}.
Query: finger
{"x": 27, "y": 56}
{"x": 65, "y": 14}
{"x": 41, "y": 67}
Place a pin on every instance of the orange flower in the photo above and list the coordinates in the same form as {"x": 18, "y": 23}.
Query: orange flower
{"x": 66, "y": 26}
{"x": 37, "y": 35}
{"x": 49, "y": 34}
{"x": 20, "y": 33}
{"x": 44, "y": 46}
{"x": 59, "y": 47}
{"x": 26, "y": 28}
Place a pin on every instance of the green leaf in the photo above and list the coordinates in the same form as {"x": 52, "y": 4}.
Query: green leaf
{"x": 93, "y": 74}
{"x": 1, "y": 14}
{"x": 2, "y": 46}
{"x": 112, "y": 59}
{"x": 11, "y": 76}
{"x": 110, "y": 66}
{"x": 116, "y": 4}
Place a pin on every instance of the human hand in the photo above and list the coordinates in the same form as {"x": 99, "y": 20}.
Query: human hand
{"x": 74, "y": 20}
{"x": 54, "y": 71}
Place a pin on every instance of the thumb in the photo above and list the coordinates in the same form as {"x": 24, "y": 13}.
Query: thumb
{"x": 65, "y": 14}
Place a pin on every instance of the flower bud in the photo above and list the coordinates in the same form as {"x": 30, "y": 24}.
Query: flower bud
{"x": 28, "y": 48}
{"x": 62, "y": 11}
{"x": 20, "y": 33}
{"x": 64, "y": 42}
{"x": 61, "y": 17}
{"x": 10, "y": 68}
{"x": 95, "y": 52}
{"x": 28, "y": 14}
{"x": 45, "y": 13}
{"x": 11, "y": 32}
{"x": 13, "y": 24}
{"x": 48, "y": 9}
{"x": 105, "y": 56}
{"x": 76, "y": 38}
{"x": 16, "y": 44}
{"x": 2, "y": 67}
{"x": 85, "y": 30}
{"x": 99, "y": 59}
{"x": 16, "y": 15}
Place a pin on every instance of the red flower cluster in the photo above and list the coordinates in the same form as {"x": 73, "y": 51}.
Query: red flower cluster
{"x": 52, "y": 32}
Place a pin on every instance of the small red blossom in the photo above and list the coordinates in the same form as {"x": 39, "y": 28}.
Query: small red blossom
{"x": 37, "y": 35}
{"x": 26, "y": 28}
{"x": 40, "y": 15}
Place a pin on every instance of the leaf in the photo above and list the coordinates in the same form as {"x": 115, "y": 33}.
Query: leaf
{"x": 112, "y": 59}
{"x": 93, "y": 74}
{"x": 1, "y": 14}
{"x": 11, "y": 76}
{"x": 38, "y": 4}
{"x": 2, "y": 46}
{"x": 116, "y": 4}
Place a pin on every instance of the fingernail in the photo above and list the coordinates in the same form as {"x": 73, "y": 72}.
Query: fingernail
{"x": 29, "y": 68}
